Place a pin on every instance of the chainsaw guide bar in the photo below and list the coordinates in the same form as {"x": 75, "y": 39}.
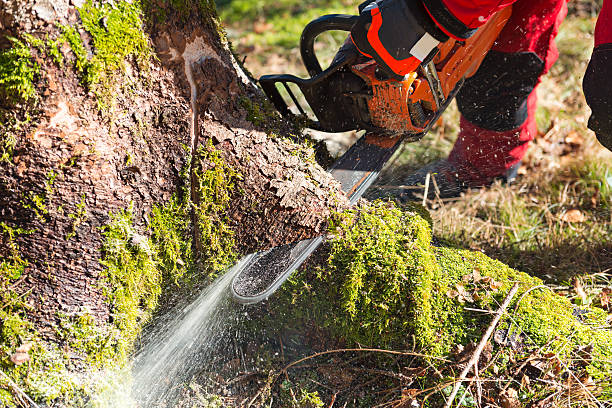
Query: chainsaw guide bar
{"x": 355, "y": 170}
{"x": 351, "y": 94}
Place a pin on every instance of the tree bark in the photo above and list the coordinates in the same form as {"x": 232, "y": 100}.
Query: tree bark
{"x": 74, "y": 164}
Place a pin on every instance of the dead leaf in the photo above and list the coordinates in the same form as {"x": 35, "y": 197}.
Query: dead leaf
{"x": 21, "y": 354}
{"x": 260, "y": 27}
{"x": 409, "y": 399}
{"x": 525, "y": 381}
{"x": 452, "y": 293}
{"x": 486, "y": 279}
{"x": 24, "y": 348}
{"x": 604, "y": 299}
{"x": 20, "y": 358}
{"x": 573, "y": 215}
{"x": 580, "y": 290}
{"x": 494, "y": 285}
{"x": 509, "y": 399}
{"x": 574, "y": 139}
{"x": 411, "y": 392}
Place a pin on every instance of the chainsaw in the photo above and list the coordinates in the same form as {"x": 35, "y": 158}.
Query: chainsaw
{"x": 353, "y": 94}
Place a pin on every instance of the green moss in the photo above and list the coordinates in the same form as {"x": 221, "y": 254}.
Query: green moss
{"x": 262, "y": 114}
{"x": 14, "y": 325}
{"x": 171, "y": 232}
{"x": 37, "y": 202}
{"x": 18, "y": 71}
{"x": 132, "y": 278}
{"x": 388, "y": 275}
{"x": 7, "y": 146}
{"x": 72, "y": 37}
{"x": 259, "y": 114}
{"x": 118, "y": 38}
{"x": 47, "y": 47}
{"x": 6, "y": 398}
{"x": 215, "y": 185}
{"x": 47, "y": 375}
{"x": 544, "y": 317}
{"x": 385, "y": 285}
{"x": 136, "y": 269}
{"x": 12, "y": 123}
{"x": 99, "y": 343}
{"x": 78, "y": 217}
{"x": 53, "y": 49}
{"x": 298, "y": 396}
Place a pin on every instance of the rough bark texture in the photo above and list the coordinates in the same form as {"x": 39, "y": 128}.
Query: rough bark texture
{"x": 135, "y": 154}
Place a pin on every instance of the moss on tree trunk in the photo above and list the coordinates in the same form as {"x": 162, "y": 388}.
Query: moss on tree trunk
{"x": 128, "y": 164}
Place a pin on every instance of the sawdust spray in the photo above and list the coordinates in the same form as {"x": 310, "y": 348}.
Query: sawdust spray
{"x": 181, "y": 343}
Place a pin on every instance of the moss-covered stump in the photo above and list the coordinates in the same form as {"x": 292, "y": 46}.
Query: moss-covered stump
{"x": 382, "y": 283}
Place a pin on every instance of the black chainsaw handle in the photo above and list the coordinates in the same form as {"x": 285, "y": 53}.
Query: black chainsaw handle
{"x": 330, "y": 22}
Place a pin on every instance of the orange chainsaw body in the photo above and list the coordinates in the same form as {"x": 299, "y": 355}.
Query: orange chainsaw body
{"x": 353, "y": 95}
{"x": 394, "y": 103}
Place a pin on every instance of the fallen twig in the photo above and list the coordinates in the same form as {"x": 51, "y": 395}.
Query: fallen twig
{"x": 372, "y": 350}
{"x": 566, "y": 367}
{"x": 16, "y": 387}
{"x": 483, "y": 342}
{"x": 426, "y": 189}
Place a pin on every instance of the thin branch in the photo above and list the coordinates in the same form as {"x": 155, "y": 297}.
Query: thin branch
{"x": 373, "y": 350}
{"x": 483, "y": 342}
{"x": 16, "y": 387}
{"x": 426, "y": 189}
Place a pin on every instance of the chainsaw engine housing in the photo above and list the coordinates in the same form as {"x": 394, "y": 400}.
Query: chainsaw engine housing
{"x": 354, "y": 96}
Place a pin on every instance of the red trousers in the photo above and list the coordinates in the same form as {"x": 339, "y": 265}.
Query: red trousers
{"x": 501, "y": 101}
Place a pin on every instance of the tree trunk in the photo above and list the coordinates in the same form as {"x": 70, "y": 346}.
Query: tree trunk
{"x": 110, "y": 112}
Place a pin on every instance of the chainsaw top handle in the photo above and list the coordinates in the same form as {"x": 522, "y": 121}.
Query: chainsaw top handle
{"x": 330, "y": 22}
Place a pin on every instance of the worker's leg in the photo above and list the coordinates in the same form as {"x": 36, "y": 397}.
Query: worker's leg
{"x": 498, "y": 103}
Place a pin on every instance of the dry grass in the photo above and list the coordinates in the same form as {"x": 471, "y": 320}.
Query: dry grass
{"x": 555, "y": 220}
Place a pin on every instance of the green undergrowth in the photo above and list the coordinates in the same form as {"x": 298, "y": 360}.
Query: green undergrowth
{"x": 385, "y": 285}
{"x": 281, "y": 21}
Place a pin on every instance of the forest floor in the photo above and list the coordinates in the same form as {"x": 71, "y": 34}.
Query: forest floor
{"x": 553, "y": 222}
